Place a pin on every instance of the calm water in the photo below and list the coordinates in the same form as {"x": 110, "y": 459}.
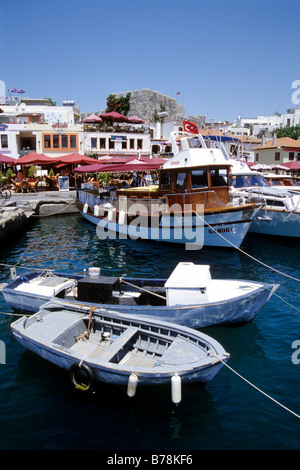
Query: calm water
{"x": 40, "y": 410}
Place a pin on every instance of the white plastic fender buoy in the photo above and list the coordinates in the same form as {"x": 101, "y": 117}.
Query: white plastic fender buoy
{"x": 132, "y": 384}
{"x": 96, "y": 210}
{"x": 13, "y": 273}
{"x": 176, "y": 388}
{"x": 110, "y": 216}
{"x": 122, "y": 218}
{"x": 85, "y": 207}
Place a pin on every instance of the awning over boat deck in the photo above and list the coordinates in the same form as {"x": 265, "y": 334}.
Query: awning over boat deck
{"x": 125, "y": 167}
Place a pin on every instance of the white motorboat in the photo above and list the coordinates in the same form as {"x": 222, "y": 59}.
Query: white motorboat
{"x": 189, "y": 297}
{"x": 279, "y": 214}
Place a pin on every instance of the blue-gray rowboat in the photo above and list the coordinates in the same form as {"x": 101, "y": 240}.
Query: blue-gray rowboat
{"x": 103, "y": 346}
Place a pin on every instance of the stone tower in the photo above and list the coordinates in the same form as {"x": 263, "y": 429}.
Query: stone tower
{"x": 144, "y": 103}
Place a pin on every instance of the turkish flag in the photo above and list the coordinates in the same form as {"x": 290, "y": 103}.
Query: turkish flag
{"x": 191, "y": 127}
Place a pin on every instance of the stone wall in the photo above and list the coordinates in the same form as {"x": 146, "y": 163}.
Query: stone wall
{"x": 145, "y": 102}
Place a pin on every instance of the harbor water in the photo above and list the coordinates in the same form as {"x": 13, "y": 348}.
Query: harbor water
{"x": 39, "y": 408}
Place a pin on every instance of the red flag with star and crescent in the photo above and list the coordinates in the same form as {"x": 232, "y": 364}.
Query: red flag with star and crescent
{"x": 190, "y": 127}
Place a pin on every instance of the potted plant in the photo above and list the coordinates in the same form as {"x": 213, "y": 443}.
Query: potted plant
{"x": 32, "y": 172}
{"x": 9, "y": 176}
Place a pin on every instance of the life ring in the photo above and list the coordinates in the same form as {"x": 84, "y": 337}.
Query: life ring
{"x": 88, "y": 376}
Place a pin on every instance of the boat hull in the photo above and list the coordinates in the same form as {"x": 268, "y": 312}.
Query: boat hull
{"x": 280, "y": 223}
{"x": 227, "y": 229}
{"x": 42, "y": 338}
{"x": 241, "y": 309}
{"x": 103, "y": 374}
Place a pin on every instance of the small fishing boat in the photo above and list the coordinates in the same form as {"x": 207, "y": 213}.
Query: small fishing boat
{"x": 98, "y": 346}
{"x": 189, "y": 297}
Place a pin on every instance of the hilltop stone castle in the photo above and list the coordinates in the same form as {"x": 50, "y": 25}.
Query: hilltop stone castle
{"x": 144, "y": 103}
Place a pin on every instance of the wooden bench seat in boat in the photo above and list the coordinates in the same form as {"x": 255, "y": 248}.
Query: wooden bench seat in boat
{"x": 115, "y": 346}
{"x": 179, "y": 349}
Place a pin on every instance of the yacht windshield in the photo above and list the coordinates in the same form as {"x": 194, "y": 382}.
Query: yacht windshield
{"x": 242, "y": 181}
{"x": 194, "y": 143}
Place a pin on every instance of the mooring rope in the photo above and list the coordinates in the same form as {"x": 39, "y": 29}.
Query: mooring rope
{"x": 290, "y": 305}
{"x": 15, "y": 314}
{"x": 53, "y": 213}
{"x": 244, "y": 252}
{"x": 254, "y": 386}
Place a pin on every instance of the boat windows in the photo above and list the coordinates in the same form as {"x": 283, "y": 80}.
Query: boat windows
{"x": 199, "y": 178}
{"x": 242, "y": 181}
{"x": 181, "y": 181}
{"x": 194, "y": 143}
{"x": 218, "y": 177}
{"x": 165, "y": 180}
{"x": 275, "y": 182}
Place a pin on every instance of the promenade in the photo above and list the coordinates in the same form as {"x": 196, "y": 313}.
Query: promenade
{"x": 20, "y": 208}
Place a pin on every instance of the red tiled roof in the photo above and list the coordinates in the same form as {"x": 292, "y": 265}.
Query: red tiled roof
{"x": 280, "y": 143}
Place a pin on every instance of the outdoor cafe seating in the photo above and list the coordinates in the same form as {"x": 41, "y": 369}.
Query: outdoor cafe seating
{"x": 25, "y": 186}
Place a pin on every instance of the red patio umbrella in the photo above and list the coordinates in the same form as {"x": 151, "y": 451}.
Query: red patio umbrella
{"x": 135, "y": 119}
{"x": 34, "y": 158}
{"x": 74, "y": 159}
{"x": 5, "y": 159}
{"x": 92, "y": 118}
{"x": 128, "y": 167}
{"x": 91, "y": 168}
{"x": 114, "y": 116}
{"x": 293, "y": 165}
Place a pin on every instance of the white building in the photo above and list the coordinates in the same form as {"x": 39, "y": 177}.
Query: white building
{"x": 265, "y": 124}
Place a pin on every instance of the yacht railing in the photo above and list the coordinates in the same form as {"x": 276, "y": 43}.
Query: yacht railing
{"x": 258, "y": 194}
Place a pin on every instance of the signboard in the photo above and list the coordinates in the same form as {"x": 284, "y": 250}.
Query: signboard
{"x": 118, "y": 138}
{"x": 63, "y": 183}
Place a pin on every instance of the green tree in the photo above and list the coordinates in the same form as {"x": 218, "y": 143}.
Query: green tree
{"x": 156, "y": 117}
{"x": 119, "y": 104}
{"x": 289, "y": 131}
{"x": 52, "y": 103}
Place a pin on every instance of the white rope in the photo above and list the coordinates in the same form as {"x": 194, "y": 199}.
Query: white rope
{"x": 254, "y": 386}
{"x": 244, "y": 252}
{"x": 26, "y": 267}
{"x": 290, "y": 305}
{"x": 53, "y": 213}
{"x": 15, "y": 314}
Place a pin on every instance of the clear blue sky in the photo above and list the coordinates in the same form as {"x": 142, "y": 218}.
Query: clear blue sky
{"x": 225, "y": 57}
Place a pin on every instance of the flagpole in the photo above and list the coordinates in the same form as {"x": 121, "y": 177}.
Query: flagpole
{"x": 180, "y": 93}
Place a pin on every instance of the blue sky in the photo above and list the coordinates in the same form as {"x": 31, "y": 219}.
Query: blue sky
{"x": 226, "y": 57}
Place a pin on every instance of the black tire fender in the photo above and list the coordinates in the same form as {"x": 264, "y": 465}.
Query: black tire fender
{"x": 88, "y": 372}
